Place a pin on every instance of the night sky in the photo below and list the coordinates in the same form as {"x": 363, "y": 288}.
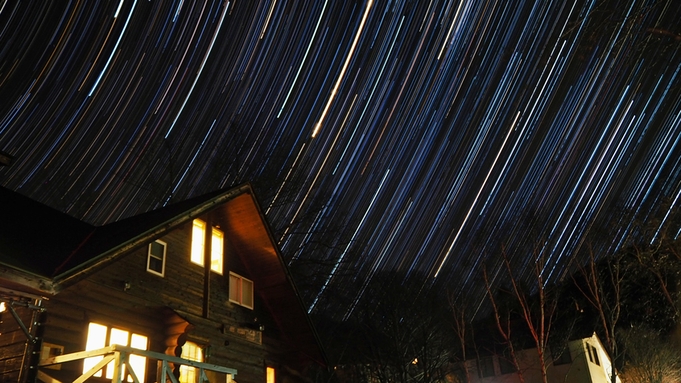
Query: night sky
{"x": 413, "y": 136}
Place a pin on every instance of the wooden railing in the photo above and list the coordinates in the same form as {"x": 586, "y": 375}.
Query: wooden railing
{"x": 120, "y": 356}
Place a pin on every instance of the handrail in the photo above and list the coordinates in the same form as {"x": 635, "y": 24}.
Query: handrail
{"x": 120, "y": 357}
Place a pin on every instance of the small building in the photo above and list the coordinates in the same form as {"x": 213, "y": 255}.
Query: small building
{"x": 582, "y": 361}
{"x": 195, "y": 290}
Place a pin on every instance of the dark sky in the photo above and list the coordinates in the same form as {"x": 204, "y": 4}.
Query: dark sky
{"x": 417, "y": 136}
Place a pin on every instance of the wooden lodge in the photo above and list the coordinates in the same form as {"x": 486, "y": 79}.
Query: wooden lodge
{"x": 193, "y": 291}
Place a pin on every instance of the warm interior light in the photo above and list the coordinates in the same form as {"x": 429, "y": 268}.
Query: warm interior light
{"x": 96, "y": 338}
{"x": 198, "y": 243}
{"x": 270, "y": 375}
{"x": 216, "y": 251}
{"x": 120, "y": 337}
{"x": 191, "y": 351}
{"x": 137, "y": 362}
{"x": 198, "y": 238}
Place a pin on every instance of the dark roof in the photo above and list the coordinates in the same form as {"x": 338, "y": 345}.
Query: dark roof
{"x": 127, "y": 234}
{"x": 61, "y": 250}
{"x": 29, "y": 227}
{"x": 59, "y": 244}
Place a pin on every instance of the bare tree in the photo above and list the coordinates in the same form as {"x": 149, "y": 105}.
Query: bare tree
{"x": 650, "y": 259}
{"x": 463, "y": 331}
{"x": 399, "y": 334}
{"x": 649, "y": 359}
{"x": 504, "y": 326}
{"x": 602, "y": 288}
{"x": 659, "y": 261}
{"x": 537, "y": 311}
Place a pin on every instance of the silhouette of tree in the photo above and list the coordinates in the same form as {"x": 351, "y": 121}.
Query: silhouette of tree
{"x": 649, "y": 358}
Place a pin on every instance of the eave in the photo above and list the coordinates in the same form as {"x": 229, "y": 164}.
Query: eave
{"x": 256, "y": 247}
{"x": 137, "y": 240}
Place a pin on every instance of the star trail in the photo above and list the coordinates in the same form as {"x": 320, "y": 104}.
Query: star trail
{"x": 415, "y": 136}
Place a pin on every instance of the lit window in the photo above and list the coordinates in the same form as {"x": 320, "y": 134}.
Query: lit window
{"x": 240, "y": 290}
{"x": 216, "y": 251}
{"x": 270, "y": 375}
{"x": 156, "y": 260}
{"x": 198, "y": 241}
{"x": 100, "y": 336}
{"x": 190, "y": 351}
{"x": 2, "y": 307}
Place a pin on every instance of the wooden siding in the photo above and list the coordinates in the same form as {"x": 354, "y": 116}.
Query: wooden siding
{"x": 14, "y": 342}
{"x": 125, "y": 295}
{"x": 98, "y": 274}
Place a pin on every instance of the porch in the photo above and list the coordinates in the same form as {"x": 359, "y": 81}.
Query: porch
{"x": 118, "y": 358}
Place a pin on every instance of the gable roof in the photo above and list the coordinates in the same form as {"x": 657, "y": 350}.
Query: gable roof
{"x": 54, "y": 250}
{"x": 44, "y": 251}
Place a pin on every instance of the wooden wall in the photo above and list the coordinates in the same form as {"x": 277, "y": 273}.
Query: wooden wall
{"x": 15, "y": 347}
{"x": 12, "y": 344}
{"x": 142, "y": 307}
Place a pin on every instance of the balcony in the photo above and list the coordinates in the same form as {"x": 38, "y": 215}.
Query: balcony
{"x": 123, "y": 370}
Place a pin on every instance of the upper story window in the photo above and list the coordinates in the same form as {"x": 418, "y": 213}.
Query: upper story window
{"x": 240, "y": 290}
{"x": 156, "y": 259}
{"x": 99, "y": 336}
{"x": 595, "y": 351}
{"x": 593, "y": 354}
{"x": 561, "y": 355}
{"x": 198, "y": 245}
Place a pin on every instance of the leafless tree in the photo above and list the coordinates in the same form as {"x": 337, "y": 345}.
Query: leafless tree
{"x": 660, "y": 260}
{"x": 399, "y": 334}
{"x": 463, "y": 331}
{"x": 649, "y": 359}
{"x": 602, "y": 288}
{"x": 504, "y": 326}
{"x": 537, "y": 311}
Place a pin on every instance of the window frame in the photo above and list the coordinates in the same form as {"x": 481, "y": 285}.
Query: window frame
{"x": 486, "y": 367}
{"x": 198, "y": 245}
{"x": 560, "y": 355}
{"x": 189, "y": 374}
{"x": 108, "y": 339}
{"x": 163, "y": 258}
{"x": 240, "y": 291}
{"x": 597, "y": 360}
{"x": 593, "y": 354}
